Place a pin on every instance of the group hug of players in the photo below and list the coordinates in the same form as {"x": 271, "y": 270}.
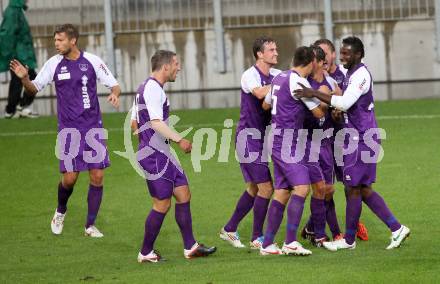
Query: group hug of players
{"x": 314, "y": 94}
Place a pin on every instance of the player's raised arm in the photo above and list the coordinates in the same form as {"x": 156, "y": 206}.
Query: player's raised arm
{"x": 22, "y": 73}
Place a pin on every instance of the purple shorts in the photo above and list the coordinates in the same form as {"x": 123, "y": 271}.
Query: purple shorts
{"x": 326, "y": 162}
{"x": 255, "y": 172}
{"x": 288, "y": 175}
{"x": 357, "y": 172}
{"x": 82, "y": 150}
{"x": 162, "y": 176}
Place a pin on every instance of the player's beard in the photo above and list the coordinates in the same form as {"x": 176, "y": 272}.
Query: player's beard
{"x": 65, "y": 52}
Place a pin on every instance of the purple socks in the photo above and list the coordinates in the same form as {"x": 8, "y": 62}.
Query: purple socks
{"x": 331, "y": 218}
{"x": 63, "y": 197}
{"x": 152, "y": 228}
{"x": 260, "y": 211}
{"x": 318, "y": 216}
{"x": 274, "y": 218}
{"x": 184, "y": 220}
{"x": 243, "y": 207}
{"x": 294, "y": 213}
{"x": 94, "y": 202}
{"x": 376, "y": 203}
{"x": 352, "y": 215}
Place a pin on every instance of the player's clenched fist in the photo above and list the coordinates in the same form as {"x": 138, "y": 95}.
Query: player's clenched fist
{"x": 185, "y": 145}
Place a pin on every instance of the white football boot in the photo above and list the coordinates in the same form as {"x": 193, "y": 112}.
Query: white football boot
{"x": 257, "y": 243}
{"x": 231, "y": 237}
{"x": 57, "y": 223}
{"x": 272, "y": 249}
{"x": 398, "y": 237}
{"x": 295, "y": 248}
{"x": 93, "y": 232}
{"x": 338, "y": 244}
{"x": 153, "y": 256}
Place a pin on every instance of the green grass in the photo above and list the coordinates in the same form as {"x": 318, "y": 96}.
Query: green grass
{"x": 408, "y": 178}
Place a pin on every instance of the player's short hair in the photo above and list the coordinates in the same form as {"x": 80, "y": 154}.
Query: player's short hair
{"x": 303, "y": 56}
{"x": 70, "y": 30}
{"x": 326, "y": 42}
{"x": 160, "y": 58}
{"x": 319, "y": 53}
{"x": 355, "y": 43}
{"x": 259, "y": 43}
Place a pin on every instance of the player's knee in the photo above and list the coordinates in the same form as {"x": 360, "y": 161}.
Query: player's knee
{"x": 282, "y": 196}
{"x": 318, "y": 194}
{"x": 183, "y": 198}
{"x": 69, "y": 181}
{"x": 97, "y": 178}
{"x": 302, "y": 190}
{"x": 252, "y": 189}
{"x": 366, "y": 192}
{"x": 329, "y": 192}
{"x": 353, "y": 192}
{"x": 265, "y": 190}
{"x": 162, "y": 206}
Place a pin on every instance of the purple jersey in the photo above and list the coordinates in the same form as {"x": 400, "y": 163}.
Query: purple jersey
{"x": 339, "y": 75}
{"x": 76, "y": 88}
{"x": 358, "y": 101}
{"x": 361, "y": 114}
{"x": 252, "y": 114}
{"x": 151, "y": 103}
{"x": 163, "y": 172}
{"x": 288, "y": 114}
{"x": 325, "y": 123}
{"x": 252, "y": 125}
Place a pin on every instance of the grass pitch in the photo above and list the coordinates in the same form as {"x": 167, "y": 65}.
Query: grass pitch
{"x": 408, "y": 179}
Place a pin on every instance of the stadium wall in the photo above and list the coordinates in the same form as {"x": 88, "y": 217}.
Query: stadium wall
{"x": 401, "y": 56}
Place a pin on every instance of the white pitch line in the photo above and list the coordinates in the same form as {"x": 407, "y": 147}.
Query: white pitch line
{"x": 51, "y": 132}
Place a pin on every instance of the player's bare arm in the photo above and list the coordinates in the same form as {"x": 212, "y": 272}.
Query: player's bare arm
{"x": 22, "y": 73}
{"x": 261, "y": 92}
{"x": 310, "y": 93}
{"x": 163, "y": 129}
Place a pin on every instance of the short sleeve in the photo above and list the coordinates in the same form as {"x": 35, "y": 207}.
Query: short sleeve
{"x": 47, "y": 72}
{"x": 274, "y": 72}
{"x": 250, "y": 80}
{"x": 154, "y": 98}
{"x": 310, "y": 103}
{"x": 105, "y": 77}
